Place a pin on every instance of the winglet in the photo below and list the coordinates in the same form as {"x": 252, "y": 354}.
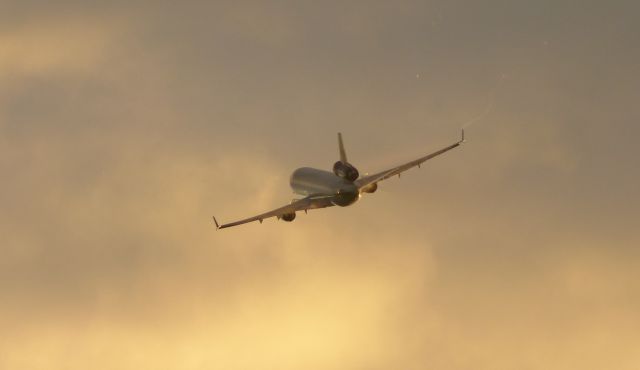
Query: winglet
{"x": 462, "y": 137}
{"x": 216, "y": 222}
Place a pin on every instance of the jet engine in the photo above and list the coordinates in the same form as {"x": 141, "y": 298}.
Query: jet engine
{"x": 289, "y": 216}
{"x": 346, "y": 171}
{"x": 371, "y": 188}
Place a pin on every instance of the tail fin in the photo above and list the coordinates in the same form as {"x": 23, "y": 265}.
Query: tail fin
{"x": 343, "y": 154}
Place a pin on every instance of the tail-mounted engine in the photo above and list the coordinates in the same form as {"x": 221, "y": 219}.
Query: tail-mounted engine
{"x": 346, "y": 171}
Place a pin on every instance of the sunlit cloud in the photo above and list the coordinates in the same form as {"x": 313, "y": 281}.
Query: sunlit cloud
{"x": 51, "y": 45}
{"x": 125, "y": 128}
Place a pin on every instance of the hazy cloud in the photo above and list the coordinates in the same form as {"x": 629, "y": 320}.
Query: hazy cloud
{"x": 125, "y": 126}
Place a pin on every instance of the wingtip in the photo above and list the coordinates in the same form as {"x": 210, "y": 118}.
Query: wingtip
{"x": 462, "y": 140}
{"x": 216, "y": 222}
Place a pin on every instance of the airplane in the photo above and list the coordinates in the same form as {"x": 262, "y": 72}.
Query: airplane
{"x": 342, "y": 187}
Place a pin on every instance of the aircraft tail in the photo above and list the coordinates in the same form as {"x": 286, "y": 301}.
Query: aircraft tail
{"x": 342, "y": 168}
{"x": 343, "y": 154}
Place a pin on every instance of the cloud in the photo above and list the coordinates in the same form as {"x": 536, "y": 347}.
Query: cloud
{"x": 125, "y": 127}
{"x": 42, "y": 46}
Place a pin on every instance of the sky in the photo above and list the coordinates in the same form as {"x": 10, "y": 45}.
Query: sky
{"x": 124, "y": 126}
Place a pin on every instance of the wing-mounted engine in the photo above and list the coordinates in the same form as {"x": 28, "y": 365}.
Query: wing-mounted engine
{"x": 346, "y": 171}
{"x": 371, "y": 188}
{"x": 288, "y": 217}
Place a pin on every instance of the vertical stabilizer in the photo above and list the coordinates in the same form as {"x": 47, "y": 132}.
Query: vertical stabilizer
{"x": 342, "y": 168}
{"x": 343, "y": 154}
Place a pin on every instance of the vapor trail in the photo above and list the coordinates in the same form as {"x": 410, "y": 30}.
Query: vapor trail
{"x": 489, "y": 107}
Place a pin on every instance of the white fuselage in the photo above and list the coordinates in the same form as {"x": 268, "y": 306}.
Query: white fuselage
{"x": 311, "y": 181}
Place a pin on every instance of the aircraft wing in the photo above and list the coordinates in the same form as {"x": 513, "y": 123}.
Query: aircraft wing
{"x": 304, "y": 204}
{"x": 377, "y": 177}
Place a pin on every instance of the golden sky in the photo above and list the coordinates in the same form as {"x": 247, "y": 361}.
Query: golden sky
{"x": 125, "y": 125}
